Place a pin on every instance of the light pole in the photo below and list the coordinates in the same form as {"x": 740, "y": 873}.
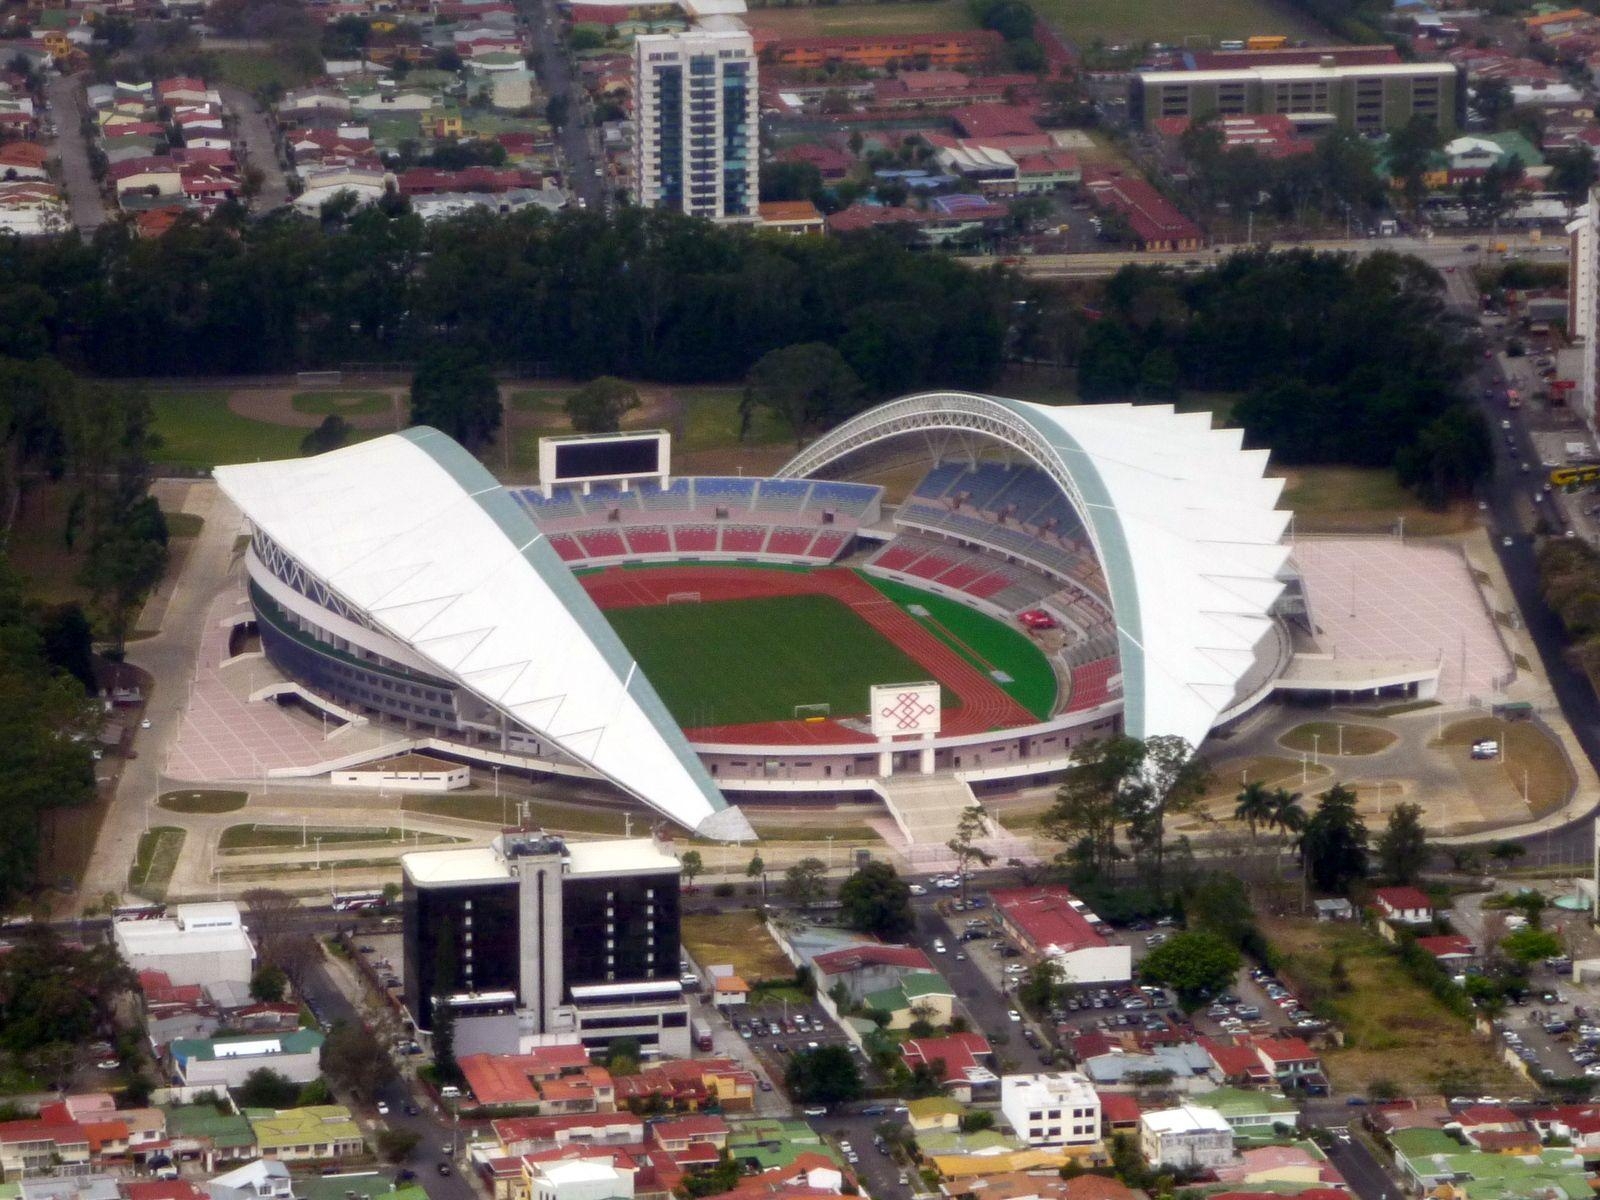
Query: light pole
{"x": 318, "y": 841}
{"x": 1341, "y": 741}
{"x": 830, "y": 852}
{"x": 498, "y": 796}
{"x": 1316, "y": 749}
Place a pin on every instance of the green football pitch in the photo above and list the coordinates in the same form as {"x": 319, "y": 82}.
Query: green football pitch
{"x": 737, "y": 662}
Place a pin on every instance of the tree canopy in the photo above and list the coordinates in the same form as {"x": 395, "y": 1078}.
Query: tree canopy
{"x": 1196, "y": 964}
{"x": 1334, "y": 842}
{"x": 1341, "y": 360}
{"x": 826, "y": 1075}
{"x": 876, "y": 900}
{"x": 599, "y": 405}
{"x": 578, "y": 295}
{"x": 1403, "y": 845}
{"x": 453, "y": 391}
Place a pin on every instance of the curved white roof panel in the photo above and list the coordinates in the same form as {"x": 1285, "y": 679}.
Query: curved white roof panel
{"x": 1182, "y": 518}
{"x": 413, "y": 531}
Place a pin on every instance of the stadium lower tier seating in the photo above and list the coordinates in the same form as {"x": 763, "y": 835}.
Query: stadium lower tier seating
{"x": 1008, "y": 586}
{"x": 692, "y": 539}
{"x": 743, "y": 539}
{"x": 790, "y": 541}
{"x": 1091, "y": 684}
{"x": 649, "y": 539}
{"x": 602, "y": 543}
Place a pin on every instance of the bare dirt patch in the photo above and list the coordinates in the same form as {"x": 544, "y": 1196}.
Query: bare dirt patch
{"x": 275, "y": 406}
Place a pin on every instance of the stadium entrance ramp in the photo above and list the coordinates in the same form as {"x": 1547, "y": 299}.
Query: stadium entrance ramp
{"x": 927, "y": 808}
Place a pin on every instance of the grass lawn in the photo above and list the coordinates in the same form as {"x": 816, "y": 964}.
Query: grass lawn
{"x": 562, "y": 818}
{"x": 322, "y": 404}
{"x": 37, "y": 547}
{"x": 240, "y": 839}
{"x": 183, "y": 524}
{"x": 153, "y": 861}
{"x": 253, "y": 69}
{"x": 198, "y": 429}
{"x": 1323, "y": 737}
{"x": 913, "y": 16}
{"x": 203, "y": 801}
{"x": 1359, "y": 499}
{"x": 711, "y": 415}
{"x": 984, "y": 642}
{"x": 736, "y": 938}
{"x": 737, "y": 662}
{"x": 1394, "y": 1029}
{"x": 539, "y": 401}
{"x": 1524, "y": 748}
{"x": 1113, "y": 21}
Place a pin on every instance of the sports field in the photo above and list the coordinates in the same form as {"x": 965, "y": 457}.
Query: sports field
{"x": 739, "y": 662}
{"x": 1113, "y": 21}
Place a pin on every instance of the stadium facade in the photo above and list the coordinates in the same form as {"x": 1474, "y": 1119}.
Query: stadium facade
{"x": 398, "y": 581}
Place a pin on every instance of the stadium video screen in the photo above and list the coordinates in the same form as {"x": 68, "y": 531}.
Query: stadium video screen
{"x": 629, "y": 456}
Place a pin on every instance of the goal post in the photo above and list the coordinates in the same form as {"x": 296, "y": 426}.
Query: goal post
{"x": 812, "y": 712}
{"x": 683, "y": 597}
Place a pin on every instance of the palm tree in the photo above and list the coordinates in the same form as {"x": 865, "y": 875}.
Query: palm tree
{"x": 1255, "y": 807}
{"x": 1288, "y": 816}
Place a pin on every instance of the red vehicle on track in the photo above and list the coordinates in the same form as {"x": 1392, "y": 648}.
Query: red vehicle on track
{"x": 1037, "y": 619}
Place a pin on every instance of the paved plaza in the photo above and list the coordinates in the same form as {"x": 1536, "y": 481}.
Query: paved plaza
{"x": 1388, "y": 599}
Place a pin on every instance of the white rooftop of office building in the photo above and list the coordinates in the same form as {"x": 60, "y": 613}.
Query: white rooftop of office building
{"x": 487, "y": 864}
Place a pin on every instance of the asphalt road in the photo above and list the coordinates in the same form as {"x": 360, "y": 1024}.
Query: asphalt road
{"x": 65, "y": 93}
{"x": 585, "y": 178}
{"x": 434, "y": 1129}
{"x": 259, "y": 145}
{"x": 1508, "y": 496}
{"x": 1361, "y": 1169}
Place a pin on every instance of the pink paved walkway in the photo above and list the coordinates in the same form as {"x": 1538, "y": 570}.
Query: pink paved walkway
{"x": 1387, "y": 599}
{"x": 223, "y": 737}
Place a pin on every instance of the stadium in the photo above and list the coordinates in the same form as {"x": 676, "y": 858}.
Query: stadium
{"x": 940, "y": 597}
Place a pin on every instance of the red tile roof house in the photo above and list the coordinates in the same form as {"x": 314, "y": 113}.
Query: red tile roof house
{"x": 868, "y": 967}
{"x": 1454, "y": 952}
{"x": 1155, "y": 223}
{"x": 38, "y": 1147}
{"x": 1119, "y": 1112}
{"x": 1403, "y": 905}
{"x": 1580, "y": 1123}
{"x": 528, "y": 1135}
{"x": 962, "y": 1061}
{"x": 1292, "y": 1062}
{"x": 1237, "y": 1061}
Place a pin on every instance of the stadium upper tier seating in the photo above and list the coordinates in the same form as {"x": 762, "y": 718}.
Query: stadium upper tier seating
{"x": 797, "y": 520}
{"x": 1016, "y": 509}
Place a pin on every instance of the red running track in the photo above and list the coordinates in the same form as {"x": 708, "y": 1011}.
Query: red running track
{"x": 984, "y": 705}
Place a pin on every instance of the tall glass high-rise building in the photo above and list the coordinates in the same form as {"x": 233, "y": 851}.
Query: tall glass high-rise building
{"x": 697, "y": 112}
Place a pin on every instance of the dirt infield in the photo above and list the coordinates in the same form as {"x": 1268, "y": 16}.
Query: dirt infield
{"x": 984, "y": 706}
{"x": 275, "y": 406}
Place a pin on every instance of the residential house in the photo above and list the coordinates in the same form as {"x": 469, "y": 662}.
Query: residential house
{"x": 1454, "y": 952}
{"x": 916, "y": 996}
{"x": 1293, "y": 1064}
{"x": 1403, "y": 905}
{"x": 558, "y": 1079}
{"x": 866, "y": 968}
{"x": 961, "y": 1061}
{"x": 1254, "y": 1114}
{"x": 35, "y": 1147}
{"x": 208, "y": 1135}
{"x": 1300, "y": 1165}
{"x": 263, "y": 1179}
{"x": 26, "y": 160}
{"x": 315, "y": 1133}
{"x": 791, "y": 216}
{"x": 228, "y": 1061}
{"x": 529, "y": 1135}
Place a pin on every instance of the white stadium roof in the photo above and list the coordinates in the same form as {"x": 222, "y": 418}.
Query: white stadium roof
{"x": 411, "y": 530}
{"x": 1181, "y": 516}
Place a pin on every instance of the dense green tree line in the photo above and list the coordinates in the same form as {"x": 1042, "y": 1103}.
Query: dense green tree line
{"x": 1341, "y": 360}
{"x": 641, "y": 295}
{"x": 46, "y": 730}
